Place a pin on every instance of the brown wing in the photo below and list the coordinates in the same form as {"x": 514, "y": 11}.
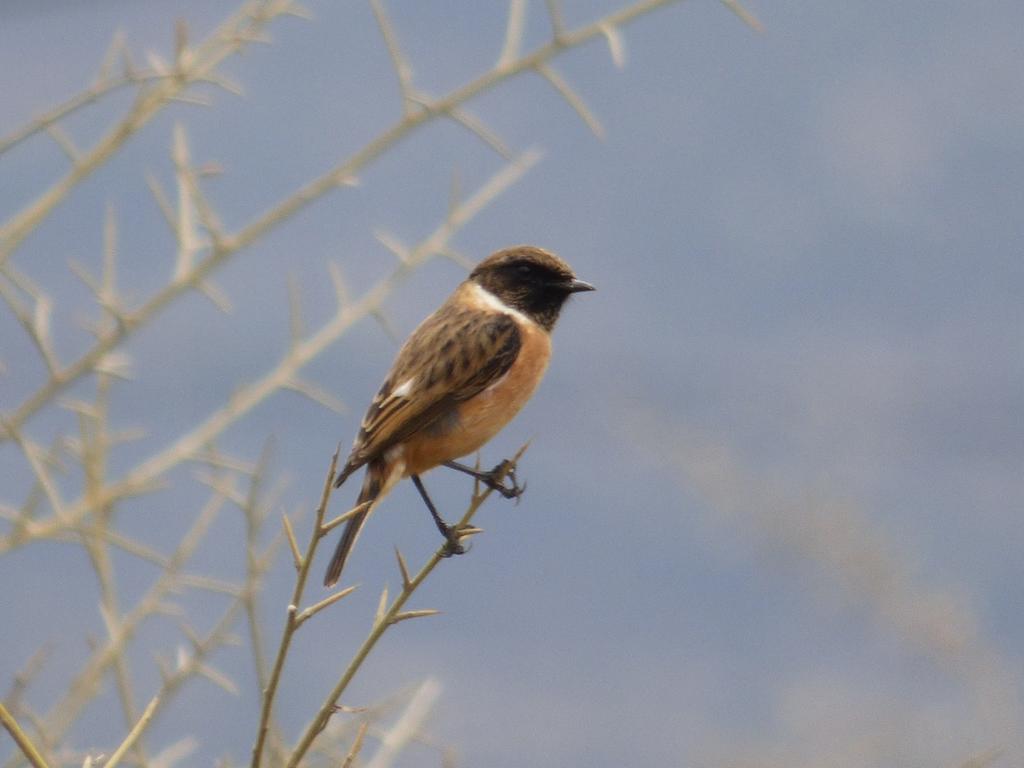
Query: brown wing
{"x": 455, "y": 354}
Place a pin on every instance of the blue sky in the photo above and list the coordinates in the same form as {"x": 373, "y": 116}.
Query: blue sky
{"x": 776, "y": 477}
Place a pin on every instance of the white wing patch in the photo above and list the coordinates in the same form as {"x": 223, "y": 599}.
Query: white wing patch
{"x": 404, "y": 389}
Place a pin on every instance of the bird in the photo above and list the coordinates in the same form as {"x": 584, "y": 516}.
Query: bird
{"x": 459, "y": 378}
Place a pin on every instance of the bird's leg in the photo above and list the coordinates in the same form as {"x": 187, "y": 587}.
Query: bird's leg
{"x": 505, "y": 469}
{"x": 450, "y": 532}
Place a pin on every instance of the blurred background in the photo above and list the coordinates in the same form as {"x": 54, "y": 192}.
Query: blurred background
{"x": 777, "y": 466}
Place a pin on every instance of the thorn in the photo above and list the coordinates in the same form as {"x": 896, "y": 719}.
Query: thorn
{"x": 83, "y": 274}
{"x": 393, "y": 244}
{"x": 398, "y": 60}
{"x": 382, "y": 606}
{"x": 161, "y": 199}
{"x": 181, "y": 51}
{"x": 459, "y": 258}
{"x": 406, "y": 581}
{"x": 385, "y": 323}
{"x": 295, "y": 323}
{"x": 513, "y": 33}
{"x": 328, "y": 527}
{"x": 157, "y": 64}
{"x": 357, "y": 745}
{"x": 65, "y": 142}
{"x": 316, "y": 394}
{"x": 111, "y": 55}
{"x": 454, "y": 192}
{"x": 572, "y": 98}
{"x": 341, "y": 291}
{"x": 745, "y": 16}
{"x": 555, "y": 14}
{"x": 297, "y": 559}
{"x": 110, "y": 256}
{"x": 616, "y": 44}
{"x": 299, "y": 12}
{"x": 406, "y": 615}
{"x": 468, "y": 530}
{"x": 218, "y": 678}
{"x": 308, "y": 613}
{"x": 216, "y": 295}
{"x": 480, "y": 129}
{"x": 349, "y": 709}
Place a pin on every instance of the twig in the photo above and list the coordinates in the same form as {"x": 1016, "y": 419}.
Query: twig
{"x": 254, "y": 519}
{"x": 297, "y": 356}
{"x": 386, "y": 619}
{"x": 134, "y": 734}
{"x": 231, "y": 36}
{"x": 408, "y": 724}
{"x": 340, "y": 174}
{"x": 21, "y": 738}
{"x": 293, "y": 619}
{"x": 357, "y": 745}
{"x": 83, "y": 687}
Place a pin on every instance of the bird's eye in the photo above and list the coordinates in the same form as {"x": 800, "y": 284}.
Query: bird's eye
{"x": 524, "y": 270}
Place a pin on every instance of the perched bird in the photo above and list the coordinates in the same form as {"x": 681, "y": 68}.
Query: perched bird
{"x": 459, "y": 378}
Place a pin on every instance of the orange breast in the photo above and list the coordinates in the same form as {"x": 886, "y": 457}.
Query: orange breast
{"x": 481, "y": 418}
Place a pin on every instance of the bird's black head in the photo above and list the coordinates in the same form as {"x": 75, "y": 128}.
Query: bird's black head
{"x": 531, "y": 280}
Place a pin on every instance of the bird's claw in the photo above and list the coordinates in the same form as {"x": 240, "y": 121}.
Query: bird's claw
{"x": 506, "y": 470}
{"x": 454, "y": 534}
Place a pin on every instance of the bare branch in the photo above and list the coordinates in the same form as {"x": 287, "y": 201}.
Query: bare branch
{"x": 146, "y": 474}
{"x": 165, "y": 87}
{"x": 184, "y": 225}
{"x": 134, "y": 734}
{"x": 293, "y": 618}
{"x": 386, "y": 617}
{"x": 408, "y": 725}
{"x": 21, "y": 738}
{"x": 343, "y": 173}
{"x": 357, "y": 745}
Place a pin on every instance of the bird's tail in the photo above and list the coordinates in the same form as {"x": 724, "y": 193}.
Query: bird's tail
{"x": 375, "y": 485}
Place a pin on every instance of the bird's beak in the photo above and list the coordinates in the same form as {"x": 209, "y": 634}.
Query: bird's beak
{"x": 576, "y": 286}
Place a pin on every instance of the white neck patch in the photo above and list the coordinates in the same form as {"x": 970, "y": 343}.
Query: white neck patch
{"x": 491, "y": 301}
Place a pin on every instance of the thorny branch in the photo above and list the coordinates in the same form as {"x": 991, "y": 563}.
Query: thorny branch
{"x": 388, "y": 614}
{"x": 202, "y": 246}
{"x": 169, "y": 82}
{"x": 147, "y": 474}
{"x": 225, "y": 245}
